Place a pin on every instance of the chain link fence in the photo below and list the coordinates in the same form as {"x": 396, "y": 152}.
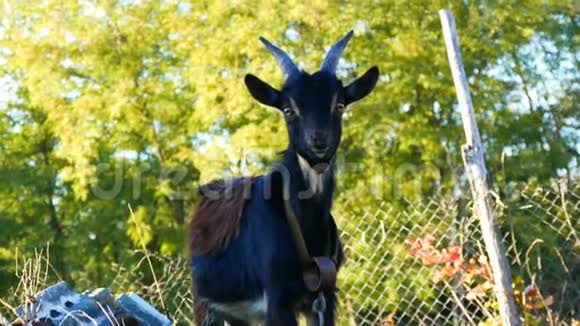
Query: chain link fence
{"x": 424, "y": 263}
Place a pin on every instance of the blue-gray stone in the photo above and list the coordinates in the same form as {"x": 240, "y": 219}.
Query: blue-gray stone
{"x": 61, "y": 305}
{"x": 140, "y": 310}
{"x": 102, "y": 295}
{"x": 51, "y": 300}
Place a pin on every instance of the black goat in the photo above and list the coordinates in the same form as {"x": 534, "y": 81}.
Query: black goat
{"x": 246, "y": 267}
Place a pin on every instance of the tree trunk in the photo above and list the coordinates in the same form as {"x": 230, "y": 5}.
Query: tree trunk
{"x": 57, "y": 245}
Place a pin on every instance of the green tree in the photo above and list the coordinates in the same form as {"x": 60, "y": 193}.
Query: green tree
{"x": 138, "y": 102}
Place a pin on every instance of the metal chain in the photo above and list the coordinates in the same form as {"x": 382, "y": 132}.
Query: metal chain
{"x": 318, "y": 308}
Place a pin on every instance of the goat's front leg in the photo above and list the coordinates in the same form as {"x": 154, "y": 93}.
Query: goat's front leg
{"x": 280, "y": 309}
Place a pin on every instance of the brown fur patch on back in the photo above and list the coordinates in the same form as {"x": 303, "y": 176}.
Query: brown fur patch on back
{"x": 217, "y": 217}
{"x": 199, "y": 309}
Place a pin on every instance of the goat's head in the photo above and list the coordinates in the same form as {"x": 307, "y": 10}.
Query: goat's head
{"x": 312, "y": 105}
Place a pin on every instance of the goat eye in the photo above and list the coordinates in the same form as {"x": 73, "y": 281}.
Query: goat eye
{"x": 288, "y": 112}
{"x": 340, "y": 107}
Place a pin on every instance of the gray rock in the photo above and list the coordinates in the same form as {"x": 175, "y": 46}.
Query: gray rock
{"x": 61, "y": 305}
{"x": 52, "y": 301}
{"x": 141, "y": 311}
{"x": 102, "y": 295}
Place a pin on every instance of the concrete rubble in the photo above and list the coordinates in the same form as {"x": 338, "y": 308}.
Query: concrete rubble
{"x": 61, "y": 305}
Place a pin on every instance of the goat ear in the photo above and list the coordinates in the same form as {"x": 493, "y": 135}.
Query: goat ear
{"x": 261, "y": 91}
{"x": 361, "y": 87}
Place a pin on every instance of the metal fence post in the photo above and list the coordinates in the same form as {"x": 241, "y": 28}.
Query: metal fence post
{"x": 475, "y": 167}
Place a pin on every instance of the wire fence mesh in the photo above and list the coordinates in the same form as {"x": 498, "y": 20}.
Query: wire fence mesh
{"x": 423, "y": 263}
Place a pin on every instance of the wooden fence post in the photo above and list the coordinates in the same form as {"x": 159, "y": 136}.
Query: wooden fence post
{"x": 475, "y": 167}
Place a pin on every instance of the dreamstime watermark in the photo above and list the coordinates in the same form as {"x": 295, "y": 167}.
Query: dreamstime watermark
{"x": 406, "y": 181}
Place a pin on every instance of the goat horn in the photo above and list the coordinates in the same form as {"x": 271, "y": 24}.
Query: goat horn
{"x": 331, "y": 58}
{"x": 287, "y": 65}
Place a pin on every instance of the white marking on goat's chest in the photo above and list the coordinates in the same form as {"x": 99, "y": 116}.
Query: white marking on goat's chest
{"x": 314, "y": 179}
{"x": 251, "y": 311}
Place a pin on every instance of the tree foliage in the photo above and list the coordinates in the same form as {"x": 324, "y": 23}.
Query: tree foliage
{"x": 111, "y": 103}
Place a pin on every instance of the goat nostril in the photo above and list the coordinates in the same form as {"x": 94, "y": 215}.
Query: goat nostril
{"x": 318, "y": 141}
{"x": 319, "y": 145}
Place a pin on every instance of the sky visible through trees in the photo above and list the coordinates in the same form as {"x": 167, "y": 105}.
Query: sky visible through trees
{"x": 139, "y": 102}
